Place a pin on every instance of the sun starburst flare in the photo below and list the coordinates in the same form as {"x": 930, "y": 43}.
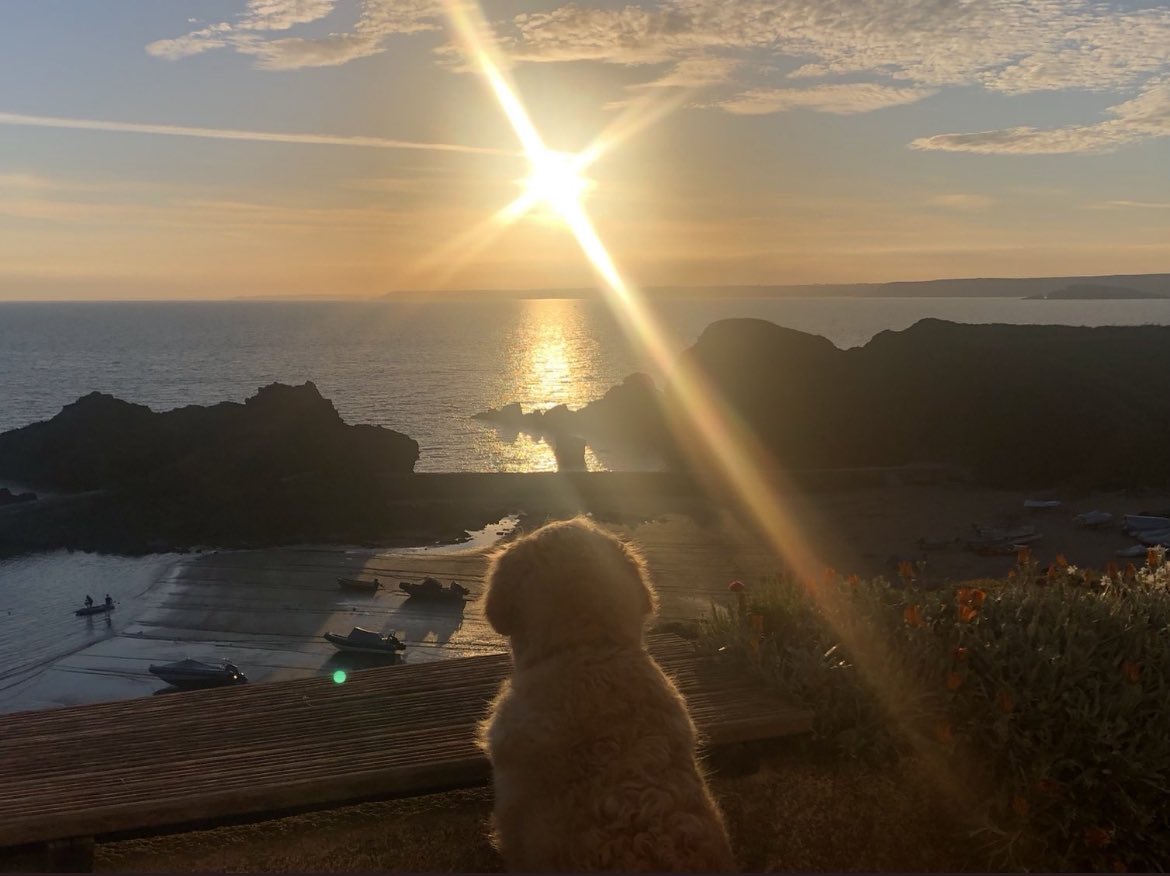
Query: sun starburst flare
{"x": 715, "y": 435}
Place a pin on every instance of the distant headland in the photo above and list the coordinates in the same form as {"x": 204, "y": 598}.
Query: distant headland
{"x": 1139, "y": 285}
{"x": 1097, "y": 292}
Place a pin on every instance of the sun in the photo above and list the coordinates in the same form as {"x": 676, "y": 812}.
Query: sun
{"x": 555, "y": 180}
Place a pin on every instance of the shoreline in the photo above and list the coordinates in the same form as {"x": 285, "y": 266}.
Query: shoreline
{"x": 267, "y": 609}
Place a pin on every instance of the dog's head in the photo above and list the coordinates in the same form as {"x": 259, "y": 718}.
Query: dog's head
{"x": 569, "y": 583}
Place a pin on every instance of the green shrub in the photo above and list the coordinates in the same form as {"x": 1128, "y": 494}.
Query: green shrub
{"x": 1044, "y": 707}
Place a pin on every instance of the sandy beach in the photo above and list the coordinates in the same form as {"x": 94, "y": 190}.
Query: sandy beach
{"x": 266, "y": 610}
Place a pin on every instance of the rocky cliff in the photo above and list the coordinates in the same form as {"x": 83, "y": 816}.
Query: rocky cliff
{"x": 282, "y": 466}
{"x": 1019, "y": 406}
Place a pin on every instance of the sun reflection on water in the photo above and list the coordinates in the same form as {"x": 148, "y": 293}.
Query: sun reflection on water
{"x": 551, "y": 356}
{"x": 552, "y": 360}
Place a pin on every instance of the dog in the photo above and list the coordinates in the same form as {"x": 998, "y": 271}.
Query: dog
{"x": 592, "y": 750}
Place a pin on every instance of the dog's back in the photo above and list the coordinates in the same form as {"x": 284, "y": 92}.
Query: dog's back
{"x": 593, "y": 756}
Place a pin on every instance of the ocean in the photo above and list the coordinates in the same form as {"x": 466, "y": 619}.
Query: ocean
{"x": 424, "y": 368}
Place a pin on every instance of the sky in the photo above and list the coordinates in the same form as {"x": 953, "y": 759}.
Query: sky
{"x": 225, "y": 148}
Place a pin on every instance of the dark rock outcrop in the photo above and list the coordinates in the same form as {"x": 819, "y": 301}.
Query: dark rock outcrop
{"x": 101, "y": 442}
{"x": 280, "y": 467}
{"x": 629, "y": 413}
{"x": 7, "y": 497}
{"x": 1013, "y": 405}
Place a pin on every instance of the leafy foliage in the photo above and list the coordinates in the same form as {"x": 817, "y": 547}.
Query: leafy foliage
{"x": 1044, "y": 698}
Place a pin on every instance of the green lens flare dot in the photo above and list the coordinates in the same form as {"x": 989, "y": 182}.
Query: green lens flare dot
{"x": 339, "y": 676}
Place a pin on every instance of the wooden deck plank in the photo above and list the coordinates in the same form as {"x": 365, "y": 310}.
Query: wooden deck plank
{"x": 166, "y": 761}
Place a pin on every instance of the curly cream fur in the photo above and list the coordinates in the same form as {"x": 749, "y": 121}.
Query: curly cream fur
{"x": 592, "y": 749}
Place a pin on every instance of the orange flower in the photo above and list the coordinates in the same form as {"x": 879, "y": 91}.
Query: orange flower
{"x": 906, "y": 569}
{"x": 954, "y": 681}
{"x": 853, "y": 581}
{"x": 1050, "y": 574}
{"x": 1023, "y": 556}
{"x": 1005, "y": 702}
{"x": 912, "y": 615}
{"x": 1111, "y": 569}
{"x": 960, "y": 653}
{"x": 971, "y": 596}
{"x": 1020, "y": 805}
{"x": 1130, "y": 571}
{"x": 1050, "y": 787}
{"x": 1153, "y": 557}
{"x": 944, "y": 733}
{"x": 1011, "y": 574}
{"x": 1061, "y": 562}
{"x": 967, "y": 613}
{"x": 1098, "y": 837}
{"x": 1132, "y": 671}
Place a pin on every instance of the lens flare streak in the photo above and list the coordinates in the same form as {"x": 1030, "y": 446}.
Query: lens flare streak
{"x": 712, "y": 429}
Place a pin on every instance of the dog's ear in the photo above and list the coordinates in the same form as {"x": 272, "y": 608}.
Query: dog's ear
{"x": 502, "y": 604}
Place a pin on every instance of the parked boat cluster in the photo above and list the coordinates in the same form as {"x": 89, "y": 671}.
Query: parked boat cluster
{"x": 191, "y": 674}
{"x": 1151, "y": 529}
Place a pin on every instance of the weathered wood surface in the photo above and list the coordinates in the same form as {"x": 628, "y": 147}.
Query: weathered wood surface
{"x": 170, "y": 760}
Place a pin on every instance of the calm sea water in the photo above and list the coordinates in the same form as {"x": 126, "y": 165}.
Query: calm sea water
{"x": 422, "y": 368}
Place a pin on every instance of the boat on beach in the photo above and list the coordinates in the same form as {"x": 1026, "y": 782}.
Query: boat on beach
{"x": 1042, "y": 504}
{"x": 192, "y": 674}
{"x": 994, "y": 541}
{"x": 1093, "y": 519}
{"x": 96, "y": 608}
{"x": 431, "y": 589}
{"x": 369, "y": 586}
{"x": 1135, "y": 523}
{"x": 1153, "y": 538}
{"x": 1136, "y": 550}
{"x": 365, "y": 642}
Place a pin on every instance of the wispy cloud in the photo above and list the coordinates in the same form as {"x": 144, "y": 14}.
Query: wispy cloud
{"x": 235, "y": 134}
{"x": 247, "y": 34}
{"x": 843, "y": 99}
{"x": 849, "y": 56}
{"x": 1131, "y": 205}
{"x": 1145, "y": 117}
{"x": 905, "y": 49}
{"x": 962, "y": 201}
{"x": 1004, "y": 45}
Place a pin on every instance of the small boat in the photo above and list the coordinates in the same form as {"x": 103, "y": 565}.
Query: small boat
{"x": 1153, "y": 538}
{"x": 432, "y": 589}
{"x": 1042, "y": 504}
{"x": 96, "y": 608}
{"x": 1093, "y": 519}
{"x": 1132, "y": 523}
{"x": 997, "y": 542}
{"x": 359, "y": 584}
{"x": 365, "y": 642}
{"x": 191, "y": 674}
{"x": 1136, "y": 550}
